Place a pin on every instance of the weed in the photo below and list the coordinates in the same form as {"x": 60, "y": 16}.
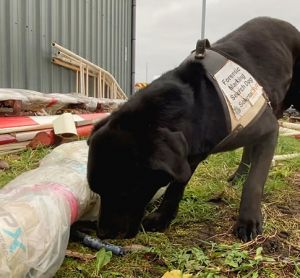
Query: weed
{"x": 102, "y": 258}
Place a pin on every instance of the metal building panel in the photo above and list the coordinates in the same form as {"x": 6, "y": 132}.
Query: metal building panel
{"x": 98, "y": 30}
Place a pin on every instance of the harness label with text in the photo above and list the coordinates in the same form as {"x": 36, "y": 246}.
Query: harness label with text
{"x": 240, "y": 88}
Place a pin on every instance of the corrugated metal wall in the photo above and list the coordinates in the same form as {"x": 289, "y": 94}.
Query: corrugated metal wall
{"x": 98, "y": 30}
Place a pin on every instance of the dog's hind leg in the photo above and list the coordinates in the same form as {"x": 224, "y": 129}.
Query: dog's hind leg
{"x": 243, "y": 167}
{"x": 249, "y": 223}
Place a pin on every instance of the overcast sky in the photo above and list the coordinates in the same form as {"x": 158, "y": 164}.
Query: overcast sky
{"x": 167, "y": 30}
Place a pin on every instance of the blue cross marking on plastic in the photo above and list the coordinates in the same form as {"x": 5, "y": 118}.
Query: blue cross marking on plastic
{"x": 16, "y": 242}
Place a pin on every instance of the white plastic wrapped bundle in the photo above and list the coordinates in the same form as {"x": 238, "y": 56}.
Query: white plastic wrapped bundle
{"x": 35, "y": 101}
{"x": 37, "y": 209}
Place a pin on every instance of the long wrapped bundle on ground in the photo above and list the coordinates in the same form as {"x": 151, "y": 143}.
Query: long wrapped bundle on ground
{"x": 16, "y": 102}
{"x": 37, "y": 209}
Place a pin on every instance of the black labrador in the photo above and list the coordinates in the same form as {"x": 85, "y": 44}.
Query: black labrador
{"x": 164, "y": 131}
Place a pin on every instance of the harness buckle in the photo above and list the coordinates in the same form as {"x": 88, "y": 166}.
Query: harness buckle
{"x": 200, "y": 48}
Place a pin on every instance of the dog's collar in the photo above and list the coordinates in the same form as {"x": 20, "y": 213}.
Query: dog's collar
{"x": 242, "y": 98}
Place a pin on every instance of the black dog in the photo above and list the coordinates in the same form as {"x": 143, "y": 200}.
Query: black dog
{"x": 164, "y": 131}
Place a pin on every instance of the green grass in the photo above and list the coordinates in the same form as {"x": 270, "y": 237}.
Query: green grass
{"x": 200, "y": 240}
{"x": 21, "y": 162}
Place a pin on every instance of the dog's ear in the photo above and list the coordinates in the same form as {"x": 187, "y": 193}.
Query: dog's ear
{"x": 98, "y": 125}
{"x": 170, "y": 154}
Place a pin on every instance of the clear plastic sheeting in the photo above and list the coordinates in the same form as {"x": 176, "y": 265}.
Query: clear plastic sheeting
{"x": 37, "y": 209}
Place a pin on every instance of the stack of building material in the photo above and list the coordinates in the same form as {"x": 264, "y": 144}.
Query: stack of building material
{"x": 283, "y": 157}
{"x": 27, "y": 117}
{"x": 16, "y": 102}
{"x": 17, "y": 133}
{"x": 289, "y": 129}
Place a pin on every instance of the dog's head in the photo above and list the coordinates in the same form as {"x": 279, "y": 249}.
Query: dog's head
{"x": 130, "y": 157}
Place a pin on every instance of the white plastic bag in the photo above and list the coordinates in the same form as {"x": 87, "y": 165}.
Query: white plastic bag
{"x": 37, "y": 209}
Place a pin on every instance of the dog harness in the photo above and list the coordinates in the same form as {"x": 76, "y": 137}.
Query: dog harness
{"x": 242, "y": 98}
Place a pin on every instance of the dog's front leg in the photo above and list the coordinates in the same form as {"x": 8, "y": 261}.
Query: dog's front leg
{"x": 249, "y": 223}
{"x": 160, "y": 219}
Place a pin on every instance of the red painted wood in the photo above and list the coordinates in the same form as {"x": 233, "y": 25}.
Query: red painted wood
{"x": 297, "y": 137}
{"x": 84, "y": 131}
{"x": 7, "y": 139}
{"x": 94, "y": 116}
{"x": 43, "y": 138}
{"x": 6, "y": 122}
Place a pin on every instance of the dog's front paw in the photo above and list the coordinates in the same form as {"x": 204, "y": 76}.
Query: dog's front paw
{"x": 248, "y": 227}
{"x": 156, "y": 222}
